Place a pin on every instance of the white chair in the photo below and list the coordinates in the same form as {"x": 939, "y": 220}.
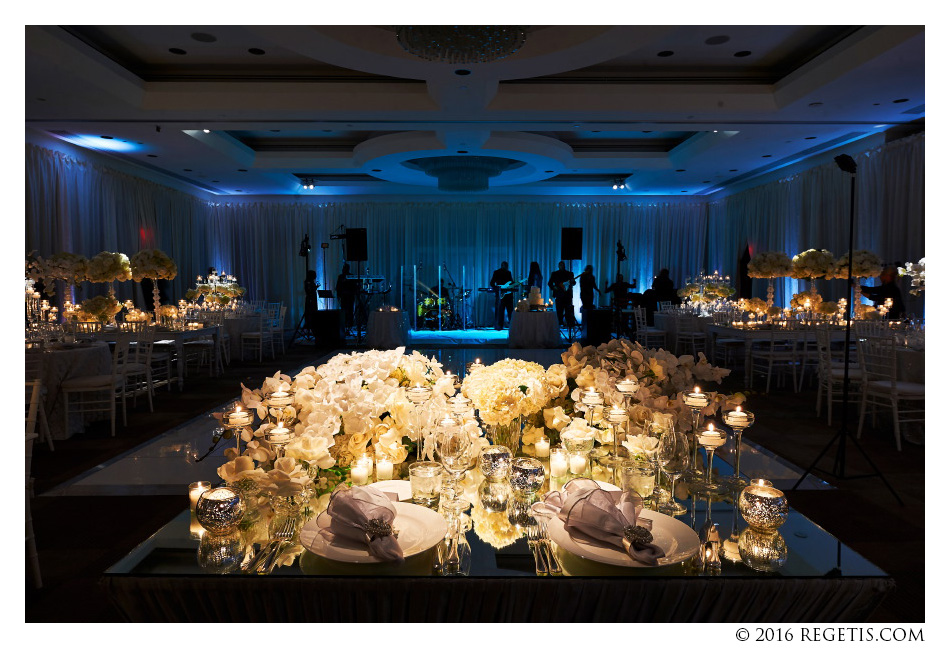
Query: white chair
{"x": 779, "y": 356}
{"x": 277, "y": 330}
{"x": 646, "y": 335}
{"x": 689, "y": 335}
{"x": 254, "y": 340}
{"x": 831, "y": 373}
{"x": 664, "y": 306}
{"x": 138, "y": 367}
{"x": 34, "y": 373}
{"x": 105, "y": 389}
{"x": 33, "y": 389}
{"x": 880, "y": 386}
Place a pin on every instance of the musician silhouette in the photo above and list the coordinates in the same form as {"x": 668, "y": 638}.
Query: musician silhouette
{"x": 346, "y": 290}
{"x": 561, "y": 284}
{"x": 504, "y": 301}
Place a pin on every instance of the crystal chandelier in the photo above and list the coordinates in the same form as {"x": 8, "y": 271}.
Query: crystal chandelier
{"x": 461, "y": 44}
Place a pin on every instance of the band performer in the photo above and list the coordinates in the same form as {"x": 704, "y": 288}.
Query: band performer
{"x": 561, "y": 284}
{"x": 311, "y": 305}
{"x": 535, "y": 278}
{"x": 504, "y": 301}
{"x": 588, "y": 286}
{"x": 346, "y": 290}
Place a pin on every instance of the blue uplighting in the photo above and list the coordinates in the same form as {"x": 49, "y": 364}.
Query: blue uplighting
{"x": 101, "y": 144}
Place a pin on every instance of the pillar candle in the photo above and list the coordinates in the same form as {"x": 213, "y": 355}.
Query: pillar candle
{"x": 578, "y": 464}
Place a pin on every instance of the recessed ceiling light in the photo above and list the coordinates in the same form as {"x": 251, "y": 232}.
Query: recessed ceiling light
{"x": 205, "y": 130}
{"x": 901, "y": 100}
{"x": 188, "y": 170}
{"x": 177, "y": 50}
{"x": 463, "y": 152}
{"x": 665, "y": 53}
{"x": 256, "y": 51}
{"x": 811, "y": 137}
{"x": 106, "y": 136}
{"x": 766, "y": 156}
{"x": 463, "y": 72}
{"x": 152, "y": 155}
{"x": 243, "y": 170}
{"x": 717, "y": 40}
{"x": 742, "y": 54}
{"x": 815, "y": 104}
{"x": 202, "y": 37}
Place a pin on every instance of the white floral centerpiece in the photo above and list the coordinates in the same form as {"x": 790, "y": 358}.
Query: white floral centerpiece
{"x": 866, "y": 264}
{"x": 507, "y": 391}
{"x": 812, "y": 264}
{"x": 153, "y": 264}
{"x": 805, "y": 301}
{"x": 107, "y": 267}
{"x": 102, "y": 308}
{"x": 770, "y": 265}
{"x": 63, "y": 266}
{"x": 916, "y": 271}
{"x": 754, "y": 305}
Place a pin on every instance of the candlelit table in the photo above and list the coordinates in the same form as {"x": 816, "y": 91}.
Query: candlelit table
{"x": 667, "y": 322}
{"x": 61, "y": 363}
{"x": 534, "y": 330}
{"x": 387, "y": 329}
{"x": 821, "y": 581}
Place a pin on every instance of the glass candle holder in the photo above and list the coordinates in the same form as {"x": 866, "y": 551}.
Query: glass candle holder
{"x": 238, "y": 417}
{"x": 195, "y": 489}
{"x": 542, "y": 448}
{"x": 220, "y": 554}
{"x": 765, "y": 552}
{"x": 425, "y": 479}
{"x": 696, "y": 401}
{"x": 220, "y": 510}
{"x": 494, "y": 496}
{"x": 560, "y": 463}
{"x": 361, "y": 470}
{"x": 638, "y": 476}
{"x": 278, "y": 437}
{"x": 739, "y": 420}
{"x": 494, "y": 462}
{"x": 763, "y": 506}
{"x": 527, "y": 476}
{"x": 384, "y": 469}
{"x": 710, "y": 439}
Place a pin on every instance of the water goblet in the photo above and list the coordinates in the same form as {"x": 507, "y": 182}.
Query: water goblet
{"x": 453, "y": 446}
{"x": 739, "y": 420}
{"x": 673, "y": 457}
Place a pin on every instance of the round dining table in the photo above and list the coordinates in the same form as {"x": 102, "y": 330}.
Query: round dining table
{"x": 534, "y": 330}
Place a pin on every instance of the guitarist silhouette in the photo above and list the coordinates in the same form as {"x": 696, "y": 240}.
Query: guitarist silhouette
{"x": 503, "y": 284}
{"x": 561, "y": 284}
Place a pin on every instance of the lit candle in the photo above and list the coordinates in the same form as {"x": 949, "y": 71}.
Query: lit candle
{"x": 737, "y": 419}
{"x": 578, "y": 464}
{"x": 696, "y": 398}
{"x": 195, "y": 489}
{"x": 617, "y": 415}
{"x": 238, "y": 417}
{"x": 558, "y": 463}
{"x": 542, "y": 448}
{"x": 459, "y": 404}
{"x": 280, "y": 398}
{"x": 628, "y": 385}
{"x": 418, "y": 394}
{"x": 384, "y": 469}
{"x": 359, "y": 474}
{"x": 591, "y": 396}
{"x": 711, "y": 437}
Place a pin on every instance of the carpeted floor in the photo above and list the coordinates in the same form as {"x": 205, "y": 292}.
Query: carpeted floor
{"x": 79, "y": 537}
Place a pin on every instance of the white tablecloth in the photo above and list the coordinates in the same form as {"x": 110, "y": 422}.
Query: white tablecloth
{"x": 910, "y": 365}
{"x": 66, "y": 364}
{"x": 387, "y": 330}
{"x": 534, "y": 330}
{"x": 235, "y": 327}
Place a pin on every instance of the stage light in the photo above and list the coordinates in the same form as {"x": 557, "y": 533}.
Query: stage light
{"x": 206, "y": 130}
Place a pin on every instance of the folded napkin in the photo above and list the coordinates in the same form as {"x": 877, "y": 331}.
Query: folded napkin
{"x": 364, "y": 514}
{"x": 594, "y": 516}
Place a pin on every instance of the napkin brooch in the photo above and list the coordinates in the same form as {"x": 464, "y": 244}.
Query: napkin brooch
{"x": 378, "y": 528}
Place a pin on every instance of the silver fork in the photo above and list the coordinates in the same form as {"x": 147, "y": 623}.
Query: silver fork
{"x": 263, "y": 561}
{"x": 540, "y": 565}
{"x": 554, "y": 565}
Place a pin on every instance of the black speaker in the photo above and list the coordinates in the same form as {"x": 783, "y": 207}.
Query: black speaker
{"x": 572, "y": 240}
{"x": 356, "y": 244}
{"x": 328, "y": 327}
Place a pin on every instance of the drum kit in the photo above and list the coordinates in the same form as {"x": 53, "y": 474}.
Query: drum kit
{"x": 450, "y": 309}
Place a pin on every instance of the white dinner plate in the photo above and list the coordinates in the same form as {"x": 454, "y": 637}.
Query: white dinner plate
{"x": 419, "y": 529}
{"x": 400, "y": 487}
{"x": 677, "y": 540}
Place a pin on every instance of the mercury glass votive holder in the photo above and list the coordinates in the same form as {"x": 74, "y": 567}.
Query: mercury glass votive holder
{"x": 763, "y": 506}
{"x": 494, "y": 496}
{"x": 220, "y": 510}
{"x": 222, "y": 553}
{"x": 765, "y": 552}
{"x": 494, "y": 462}
{"x": 527, "y": 476}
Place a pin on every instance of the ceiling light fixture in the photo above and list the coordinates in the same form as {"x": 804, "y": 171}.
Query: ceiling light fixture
{"x": 619, "y": 184}
{"x": 307, "y": 183}
{"x": 461, "y": 44}
{"x": 206, "y": 130}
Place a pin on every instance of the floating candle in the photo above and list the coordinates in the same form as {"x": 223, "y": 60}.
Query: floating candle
{"x": 617, "y": 415}
{"x": 628, "y": 385}
{"x": 737, "y": 419}
{"x": 696, "y": 398}
{"x": 238, "y": 417}
{"x": 280, "y": 398}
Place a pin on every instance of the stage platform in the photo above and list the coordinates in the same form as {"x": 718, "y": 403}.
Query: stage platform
{"x": 481, "y": 336}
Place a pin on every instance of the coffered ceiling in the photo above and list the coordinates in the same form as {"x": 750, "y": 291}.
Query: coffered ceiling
{"x": 689, "y": 110}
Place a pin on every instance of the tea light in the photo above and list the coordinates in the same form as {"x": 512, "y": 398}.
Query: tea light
{"x": 278, "y": 437}
{"x": 763, "y": 506}
{"x": 711, "y": 437}
{"x": 453, "y": 378}
{"x": 737, "y": 419}
{"x": 280, "y": 398}
{"x": 617, "y": 415}
{"x": 591, "y": 396}
{"x": 558, "y": 462}
{"x": 578, "y": 464}
{"x": 195, "y": 489}
{"x": 220, "y": 510}
{"x": 361, "y": 471}
{"x": 459, "y": 404}
{"x": 628, "y": 385}
{"x": 384, "y": 469}
{"x": 238, "y": 418}
{"x": 472, "y": 366}
{"x": 542, "y": 448}
{"x": 696, "y": 399}
{"x": 419, "y": 394}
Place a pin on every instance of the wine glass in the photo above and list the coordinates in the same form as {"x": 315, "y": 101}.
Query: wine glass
{"x": 673, "y": 457}
{"x": 453, "y": 446}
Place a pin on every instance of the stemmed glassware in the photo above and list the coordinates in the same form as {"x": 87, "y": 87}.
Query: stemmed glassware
{"x": 656, "y": 429}
{"x": 673, "y": 457}
{"x": 739, "y": 420}
{"x": 419, "y": 395}
{"x": 696, "y": 401}
{"x": 453, "y": 445}
{"x": 710, "y": 438}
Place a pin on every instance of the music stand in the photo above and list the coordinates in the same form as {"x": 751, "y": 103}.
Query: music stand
{"x": 324, "y": 295}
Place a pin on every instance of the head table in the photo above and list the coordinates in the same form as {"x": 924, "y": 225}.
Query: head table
{"x": 822, "y": 581}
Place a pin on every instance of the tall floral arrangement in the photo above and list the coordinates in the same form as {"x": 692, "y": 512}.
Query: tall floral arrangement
{"x": 107, "y": 267}
{"x": 916, "y": 271}
{"x": 812, "y": 264}
{"x": 770, "y": 265}
{"x": 866, "y": 264}
{"x": 102, "y": 308}
{"x": 805, "y": 301}
{"x": 153, "y": 264}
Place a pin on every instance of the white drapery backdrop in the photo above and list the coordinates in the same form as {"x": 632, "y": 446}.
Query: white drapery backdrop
{"x": 84, "y": 207}
{"x": 810, "y": 210}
